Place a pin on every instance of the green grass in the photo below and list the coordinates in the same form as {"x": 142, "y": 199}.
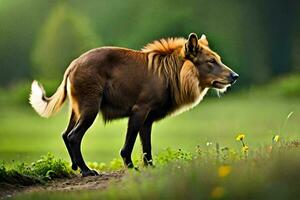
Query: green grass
{"x": 46, "y": 168}
{"x": 268, "y": 171}
{"x": 271, "y": 172}
{"x": 25, "y": 136}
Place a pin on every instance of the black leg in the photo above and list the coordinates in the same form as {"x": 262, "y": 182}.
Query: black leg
{"x": 75, "y": 138}
{"x": 71, "y": 125}
{"x": 145, "y": 136}
{"x": 136, "y": 120}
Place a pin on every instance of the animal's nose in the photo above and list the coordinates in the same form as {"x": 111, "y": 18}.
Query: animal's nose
{"x": 234, "y": 76}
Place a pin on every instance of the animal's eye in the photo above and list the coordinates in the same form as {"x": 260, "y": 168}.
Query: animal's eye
{"x": 212, "y": 61}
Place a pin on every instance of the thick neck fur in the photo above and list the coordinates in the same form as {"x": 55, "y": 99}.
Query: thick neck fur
{"x": 166, "y": 59}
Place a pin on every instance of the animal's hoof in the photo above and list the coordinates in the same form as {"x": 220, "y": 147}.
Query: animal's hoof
{"x": 149, "y": 164}
{"x": 130, "y": 165}
{"x": 74, "y": 166}
{"x": 89, "y": 173}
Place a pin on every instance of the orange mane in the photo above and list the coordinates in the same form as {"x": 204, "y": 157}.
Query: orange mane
{"x": 164, "y": 46}
{"x": 166, "y": 59}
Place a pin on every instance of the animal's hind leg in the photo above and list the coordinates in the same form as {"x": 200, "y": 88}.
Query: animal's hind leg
{"x": 86, "y": 119}
{"x": 72, "y": 123}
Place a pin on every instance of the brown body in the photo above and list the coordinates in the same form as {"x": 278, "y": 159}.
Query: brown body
{"x": 102, "y": 78}
{"x": 165, "y": 77}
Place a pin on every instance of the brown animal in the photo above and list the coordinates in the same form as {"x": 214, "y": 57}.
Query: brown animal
{"x": 166, "y": 77}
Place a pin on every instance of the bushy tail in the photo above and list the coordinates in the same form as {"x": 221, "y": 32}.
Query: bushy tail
{"x": 47, "y": 106}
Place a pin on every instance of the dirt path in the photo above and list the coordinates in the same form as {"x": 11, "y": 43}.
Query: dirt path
{"x": 75, "y": 183}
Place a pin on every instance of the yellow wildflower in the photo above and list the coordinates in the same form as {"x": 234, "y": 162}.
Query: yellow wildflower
{"x": 276, "y": 138}
{"x": 224, "y": 170}
{"x": 217, "y": 192}
{"x": 245, "y": 148}
{"x": 208, "y": 143}
{"x": 240, "y": 137}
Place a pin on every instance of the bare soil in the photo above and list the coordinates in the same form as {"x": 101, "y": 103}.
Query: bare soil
{"x": 65, "y": 184}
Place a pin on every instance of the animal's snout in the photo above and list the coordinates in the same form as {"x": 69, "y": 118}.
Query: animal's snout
{"x": 233, "y": 77}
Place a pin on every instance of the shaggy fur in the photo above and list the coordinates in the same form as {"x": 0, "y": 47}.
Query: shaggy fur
{"x": 166, "y": 77}
{"x": 166, "y": 59}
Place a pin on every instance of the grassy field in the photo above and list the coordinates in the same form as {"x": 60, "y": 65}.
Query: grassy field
{"x": 25, "y": 136}
{"x": 220, "y": 170}
{"x": 270, "y": 172}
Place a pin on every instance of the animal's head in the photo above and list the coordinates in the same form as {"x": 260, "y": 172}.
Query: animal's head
{"x": 212, "y": 72}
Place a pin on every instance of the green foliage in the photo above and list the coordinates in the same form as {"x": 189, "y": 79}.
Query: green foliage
{"x": 285, "y": 86}
{"x": 17, "y": 94}
{"x": 64, "y": 36}
{"x": 113, "y": 165}
{"x": 20, "y": 21}
{"x": 258, "y": 176}
{"x": 2, "y": 171}
{"x": 289, "y": 86}
{"x": 254, "y": 177}
{"x": 173, "y": 155}
{"x": 116, "y": 163}
{"x": 48, "y": 167}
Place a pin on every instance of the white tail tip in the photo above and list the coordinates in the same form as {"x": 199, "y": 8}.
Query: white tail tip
{"x": 36, "y": 99}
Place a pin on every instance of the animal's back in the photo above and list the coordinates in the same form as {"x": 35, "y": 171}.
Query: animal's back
{"x": 119, "y": 76}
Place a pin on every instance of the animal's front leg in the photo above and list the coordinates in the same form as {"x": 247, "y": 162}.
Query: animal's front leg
{"x": 135, "y": 122}
{"x": 145, "y": 135}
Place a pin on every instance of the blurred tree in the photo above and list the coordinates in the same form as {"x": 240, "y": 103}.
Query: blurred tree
{"x": 295, "y": 40}
{"x": 19, "y": 22}
{"x": 278, "y": 18}
{"x": 259, "y": 39}
{"x": 64, "y": 36}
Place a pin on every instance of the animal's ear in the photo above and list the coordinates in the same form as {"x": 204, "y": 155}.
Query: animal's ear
{"x": 203, "y": 40}
{"x": 191, "y": 45}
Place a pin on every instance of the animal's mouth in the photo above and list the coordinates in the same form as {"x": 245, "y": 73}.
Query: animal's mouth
{"x": 220, "y": 84}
